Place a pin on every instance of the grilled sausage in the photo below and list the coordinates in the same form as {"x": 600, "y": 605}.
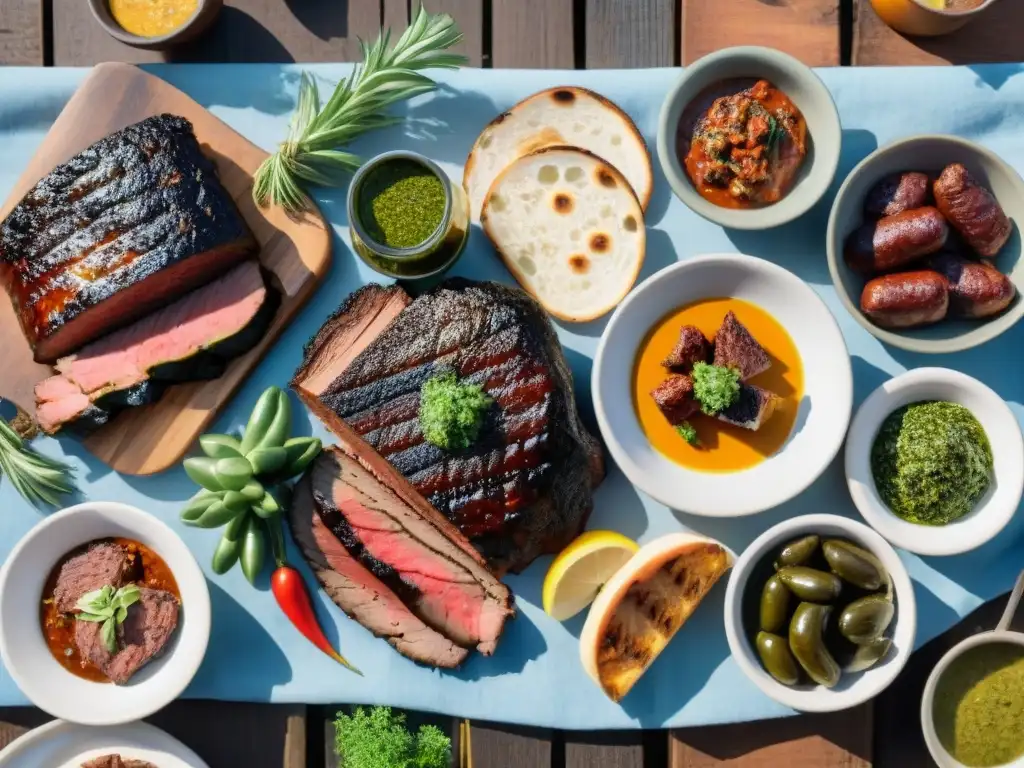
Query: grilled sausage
{"x": 976, "y": 288}
{"x": 906, "y": 299}
{"x": 895, "y": 241}
{"x": 972, "y": 210}
{"x": 896, "y": 193}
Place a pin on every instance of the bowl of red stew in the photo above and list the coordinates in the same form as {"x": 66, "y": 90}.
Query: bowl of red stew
{"x": 104, "y": 614}
{"x": 749, "y": 138}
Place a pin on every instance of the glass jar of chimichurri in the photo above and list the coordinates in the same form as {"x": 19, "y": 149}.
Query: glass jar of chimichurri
{"x": 406, "y": 217}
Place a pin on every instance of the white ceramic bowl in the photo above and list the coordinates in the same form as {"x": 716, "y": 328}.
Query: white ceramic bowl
{"x": 1001, "y": 634}
{"x": 995, "y": 509}
{"x": 45, "y": 682}
{"x": 743, "y": 594}
{"x": 823, "y": 414}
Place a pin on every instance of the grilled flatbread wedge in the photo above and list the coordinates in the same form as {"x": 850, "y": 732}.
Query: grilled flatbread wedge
{"x": 570, "y": 229}
{"x": 644, "y": 604}
{"x": 565, "y": 116}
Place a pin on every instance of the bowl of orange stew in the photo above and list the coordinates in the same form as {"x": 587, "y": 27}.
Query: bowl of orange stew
{"x": 749, "y": 138}
{"x": 104, "y": 614}
{"x": 722, "y": 385}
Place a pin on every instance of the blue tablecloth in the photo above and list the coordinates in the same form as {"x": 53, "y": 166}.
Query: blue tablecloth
{"x": 536, "y": 677}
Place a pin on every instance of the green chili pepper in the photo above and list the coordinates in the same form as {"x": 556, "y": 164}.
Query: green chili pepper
{"x": 233, "y": 473}
{"x": 254, "y": 549}
{"x": 220, "y": 446}
{"x": 217, "y": 515}
{"x": 202, "y": 470}
{"x": 235, "y": 501}
{"x": 278, "y": 430}
{"x": 253, "y": 491}
{"x": 198, "y": 504}
{"x": 261, "y": 419}
{"x": 266, "y": 461}
{"x": 226, "y": 554}
{"x": 267, "y": 507}
{"x": 301, "y": 451}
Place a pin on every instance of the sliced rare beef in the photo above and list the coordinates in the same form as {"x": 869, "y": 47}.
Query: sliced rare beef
{"x": 101, "y": 565}
{"x": 192, "y": 339}
{"x": 123, "y": 228}
{"x": 413, "y": 550}
{"x": 360, "y": 593}
{"x": 116, "y": 761}
{"x": 149, "y": 625}
{"x": 525, "y": 487}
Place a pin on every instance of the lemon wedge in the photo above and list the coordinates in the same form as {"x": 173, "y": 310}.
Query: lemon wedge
{"x": 581, "y": 569}
{"x": 938, "y": 5}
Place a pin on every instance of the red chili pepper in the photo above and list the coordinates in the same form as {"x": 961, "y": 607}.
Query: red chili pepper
{"x": 291, "y": 594}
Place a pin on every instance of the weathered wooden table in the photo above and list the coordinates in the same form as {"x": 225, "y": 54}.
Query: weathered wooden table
{"x": 551, "y": 34}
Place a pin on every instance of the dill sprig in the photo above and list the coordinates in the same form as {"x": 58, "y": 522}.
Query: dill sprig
{"x": 36, "y": 477}
{"x": 310, "y": 154}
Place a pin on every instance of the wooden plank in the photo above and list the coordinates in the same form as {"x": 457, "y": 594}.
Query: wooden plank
{"x": 469, "y": 14}
{"x": 533, "y": 34}
{"x": 245, "y": 31}
{"x": 506, "y": 746}
{"x": 9, "y": 732}
{"x": 21, "y": 33}
{"x": 835, "y": 740}
{"x": 995, "y": 36}
{"x": 806, "y": 29}
{"x": 604, "y": 749}
{"x": 624, "y": 33}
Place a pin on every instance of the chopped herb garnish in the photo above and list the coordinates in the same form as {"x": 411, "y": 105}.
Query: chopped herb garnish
{"x": 687, "y": 431}
{"x": 715, "y": 387}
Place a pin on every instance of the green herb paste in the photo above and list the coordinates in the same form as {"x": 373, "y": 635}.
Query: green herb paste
{"x": 401, "y": 203}
{"x": 715, "y": 387}
{"x": 452, "y": 412}
{"x": 979, "y": 705}
{"x": 931, "y": 462}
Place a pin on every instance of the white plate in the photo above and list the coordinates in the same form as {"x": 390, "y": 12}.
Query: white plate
{"x": 41, "y": 678}
{"x": 66, "y": 745}
{"x": 824, "y": 412}
{"x": 995, "y": 509}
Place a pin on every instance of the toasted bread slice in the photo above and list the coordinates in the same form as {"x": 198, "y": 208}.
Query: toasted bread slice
{"x": 570, "y": 229}
{"x": 566, "y": 116}
{"x": 752, "y": 408}
{"x": 644, "y": 604}
{"x": 735, "y": 347}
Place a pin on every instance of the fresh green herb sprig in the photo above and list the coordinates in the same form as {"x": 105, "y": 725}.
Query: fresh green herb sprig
{"x": 310, "y": 154}
{"x": 775, "y": 133}
{"x": 715, "y": 387}
{"x": 378, "y": 738}
{"x": 244, "y": 480}
{"x": 687, "y": 431}
{"x": 38, "y": 478}
{"x": 110, "y": 607}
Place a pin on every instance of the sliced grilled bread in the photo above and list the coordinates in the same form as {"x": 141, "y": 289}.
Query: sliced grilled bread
{"x": 752, "y": 408}
{"x": 570, "y": 229}
{"x": 566, "y": 116}
{"x": 644, "y": 604}
{"x": 736, "y": 347}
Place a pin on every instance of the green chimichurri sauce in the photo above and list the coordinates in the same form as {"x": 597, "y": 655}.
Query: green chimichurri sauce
{"x": 931, "y": 462}
{"x": 979, "y": 705}
{"x": 401, "y": 203}
{"x": 451, "y": 411}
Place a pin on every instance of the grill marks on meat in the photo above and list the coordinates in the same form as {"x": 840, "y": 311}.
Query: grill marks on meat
{"x": 143, "y": 635}
{"x": 359, "y": 593}
{"x": 192, "y": 339}
{"x": 123, "y": 228}
{"x": 93, "y": 569}
{"x": 524, "y": 488}
{"x": 413, "y": 551}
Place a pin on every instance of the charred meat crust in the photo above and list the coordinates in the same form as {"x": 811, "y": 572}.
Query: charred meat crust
{"x": 124, "y": 227}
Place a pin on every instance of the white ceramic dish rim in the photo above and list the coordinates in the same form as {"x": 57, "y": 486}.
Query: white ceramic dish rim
{"x": 995, "y": 510}
{"x": 719, "y": 496}
{"x": 791, "y": 206}
{"x": 869, "y": 683}
{"x": 1001, "y": 634}
{"x": 126, "y": 738}
{"x": 59, "y": 692}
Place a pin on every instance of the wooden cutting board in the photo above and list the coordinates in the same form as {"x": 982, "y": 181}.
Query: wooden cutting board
{"x": 142, "y": 441}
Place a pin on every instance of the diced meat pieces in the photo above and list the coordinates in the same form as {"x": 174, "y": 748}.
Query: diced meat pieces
{"x": 692, "y": 347}
{"x": 149, "y": 625}
{"x": 116, "y": 761}
{"x": 735, "y": 347}
{"x": 674, "y": 397}
{"x": 102, "y": 565}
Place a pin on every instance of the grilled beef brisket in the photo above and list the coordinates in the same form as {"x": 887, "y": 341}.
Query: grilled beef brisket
{"x": 193, "y": 339}
{"x": 100, "y": 565}
{"x": 128, "y": 225}
{"x": 524, "y": 488}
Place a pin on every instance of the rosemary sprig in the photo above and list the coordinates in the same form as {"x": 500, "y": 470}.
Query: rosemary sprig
{"x": 386, "y": 76}
{"x": 36, "y": 477}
